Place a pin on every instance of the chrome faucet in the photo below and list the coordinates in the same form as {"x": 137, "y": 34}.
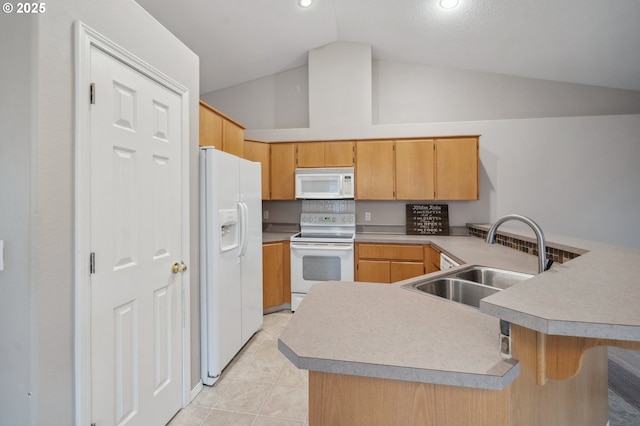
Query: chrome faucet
{"x": 543, "y": 265}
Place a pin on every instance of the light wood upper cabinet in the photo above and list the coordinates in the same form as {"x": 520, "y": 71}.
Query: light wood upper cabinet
{"x": 339, "y": 154}
{"x": 418, "y": 169}
{"x": 259, "y": 152}
{"x": 283, "y": 168}
{"x": 457, "y": 169}
{"x": 210, "y": 127}
{"x": 415, "y": 174}
{"x": 232, "y": 138}
{"x": 220, "y": 131}
{"x": 375, "y": 170}
{"x": 403, "y": 169}
{"x": 310, "y": 154}
{"x": 325, "y": 154}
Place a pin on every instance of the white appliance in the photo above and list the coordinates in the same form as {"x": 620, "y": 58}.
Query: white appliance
{"x": 230, "y": 257}
{"x": 325, "y": 183}
{"x": 322, "y": 251}
{"x": 446, "y": 262}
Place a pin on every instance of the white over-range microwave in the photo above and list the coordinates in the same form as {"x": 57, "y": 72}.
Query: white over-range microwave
{"x": 325, "y": 183}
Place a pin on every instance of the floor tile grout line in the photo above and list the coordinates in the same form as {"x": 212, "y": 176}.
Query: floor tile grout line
{"x": 271, "y": 331}
{"x": 270, "y": 386}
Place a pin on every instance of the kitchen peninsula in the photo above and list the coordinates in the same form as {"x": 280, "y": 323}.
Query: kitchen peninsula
{"x": 380, "y": 354}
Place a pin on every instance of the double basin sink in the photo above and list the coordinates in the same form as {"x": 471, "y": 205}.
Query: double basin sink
{"x": 470, "y": 284}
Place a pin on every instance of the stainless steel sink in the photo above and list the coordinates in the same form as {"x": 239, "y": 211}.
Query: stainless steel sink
{"x": 469, "y": 285}
{"x": 460, "y": 291}
{"x": 493, "y": 277}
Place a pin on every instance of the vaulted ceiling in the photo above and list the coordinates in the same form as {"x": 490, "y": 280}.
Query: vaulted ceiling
{"x": 595, "y": 42}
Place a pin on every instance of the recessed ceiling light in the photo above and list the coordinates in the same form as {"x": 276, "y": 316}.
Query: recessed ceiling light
{"x": 448, "y": 4}
{"x": 305, "y": 3}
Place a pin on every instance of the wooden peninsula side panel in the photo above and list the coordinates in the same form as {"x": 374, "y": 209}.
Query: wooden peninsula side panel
{"x": 343, "y": 400}
{"x": 579, "y": 400}
{"x": 339, "y": 399}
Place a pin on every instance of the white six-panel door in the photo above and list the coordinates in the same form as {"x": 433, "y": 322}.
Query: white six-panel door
{"x": 136, "y": 231}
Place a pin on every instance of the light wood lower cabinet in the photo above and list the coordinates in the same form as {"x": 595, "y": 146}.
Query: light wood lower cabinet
{"x": 276, "y": 281}
{"x": 388, "y": 263}
{"x": 401, "y": 270}
{"x": 373, "y": 271}
{"x": 431, "y": 259}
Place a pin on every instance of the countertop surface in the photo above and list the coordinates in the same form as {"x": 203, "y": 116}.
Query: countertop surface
{"x": 272, "y": 237}
{"x": 388, "y": 331}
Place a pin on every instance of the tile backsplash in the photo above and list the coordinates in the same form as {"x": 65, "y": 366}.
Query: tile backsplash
{"x": 558, "y": 255}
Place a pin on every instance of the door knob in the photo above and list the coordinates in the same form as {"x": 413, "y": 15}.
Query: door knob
{"x": 178, "y": 267}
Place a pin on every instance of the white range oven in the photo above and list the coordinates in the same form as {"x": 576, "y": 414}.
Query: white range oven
{"x": 322, "y": 251}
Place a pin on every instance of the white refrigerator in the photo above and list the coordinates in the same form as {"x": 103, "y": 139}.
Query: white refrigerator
{"x": 230, "y": 257}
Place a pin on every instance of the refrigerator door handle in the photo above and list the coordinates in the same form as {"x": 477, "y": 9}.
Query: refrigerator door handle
{"x": 244, "y": 223}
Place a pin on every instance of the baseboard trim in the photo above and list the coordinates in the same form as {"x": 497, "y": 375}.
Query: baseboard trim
{"x": 283, "y": 307}
{"x": 196, "y": 390}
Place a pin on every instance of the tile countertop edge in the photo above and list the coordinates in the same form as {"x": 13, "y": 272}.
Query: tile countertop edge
{"x": 436, "y": 377}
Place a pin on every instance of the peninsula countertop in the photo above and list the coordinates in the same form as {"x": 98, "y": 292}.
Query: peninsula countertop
{"x": 387, "y": 331}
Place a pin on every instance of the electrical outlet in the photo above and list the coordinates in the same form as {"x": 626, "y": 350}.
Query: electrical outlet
{"x": 367, "y": 216}
{"x": 265, "y": 214}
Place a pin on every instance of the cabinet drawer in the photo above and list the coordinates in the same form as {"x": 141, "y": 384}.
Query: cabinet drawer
{"x": 405, "y": 252}
{"x": 391, "y": 251}
{"x": 371, "y": 251}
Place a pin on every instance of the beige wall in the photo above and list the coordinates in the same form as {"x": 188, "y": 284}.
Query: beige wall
{"x": 558, "y": 152}
{"x": 16, "y": 122}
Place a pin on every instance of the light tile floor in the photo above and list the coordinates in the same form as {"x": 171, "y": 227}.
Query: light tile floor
{"x": 260, "y": 387}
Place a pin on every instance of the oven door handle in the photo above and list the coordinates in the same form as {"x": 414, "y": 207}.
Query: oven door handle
{"x": 322, "y": 247}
